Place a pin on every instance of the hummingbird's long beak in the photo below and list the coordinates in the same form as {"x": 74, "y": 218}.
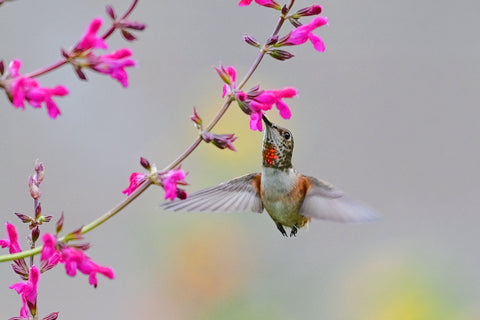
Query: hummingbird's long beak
{"x": 267, "y": 122}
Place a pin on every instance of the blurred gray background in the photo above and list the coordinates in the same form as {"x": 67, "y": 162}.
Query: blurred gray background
{"x": 389, "y": 113}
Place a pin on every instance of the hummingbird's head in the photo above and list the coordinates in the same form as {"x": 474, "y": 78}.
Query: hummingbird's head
{"x": 277, "y": 146}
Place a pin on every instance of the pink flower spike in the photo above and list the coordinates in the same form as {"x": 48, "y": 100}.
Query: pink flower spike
{"x": 113, "y": 64}
{"x": 28, "y": 291}
{"x": 303, "y": 33}
{"x": 12, "y": 241}
{"x": 136, "y": 179}
{"x": 90, "y": 40}
{"x": 170, "y": 180}
{"x": 75, "y": 259}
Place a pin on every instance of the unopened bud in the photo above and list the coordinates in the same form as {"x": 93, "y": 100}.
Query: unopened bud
{"x": 134, "y": 25}
{"x": 34, "y": 190}
{"x": 280, "y": 54}
{"x": 51, "y": 316}
{"x": 272, "y": 40}
{"x": 251, "y": 41}
{"x": 181, "y": 194}
{"x": 24, "y": 217}
{"x": 2, "y": 67}
{"x": 38, "y": 211}
{"x": 110, "y": 11}
{"x": 144, "y": 162}
{"x": 128, "y": 36}
{"x": 308, "y": 11}
{"x": 35, "y": 234}
{"x": 196, "y": 119}
{"x": 295, "y": 22}
{"x": 40, "y": 170}
{"x": 59, "y": 224}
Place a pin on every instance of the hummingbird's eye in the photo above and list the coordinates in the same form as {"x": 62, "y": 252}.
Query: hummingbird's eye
{"x": 286, "y": 135}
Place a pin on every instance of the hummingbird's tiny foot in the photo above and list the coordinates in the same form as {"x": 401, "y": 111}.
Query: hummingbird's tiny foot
{"x": 282, "y": 230}
{"x": 294, "y": 231}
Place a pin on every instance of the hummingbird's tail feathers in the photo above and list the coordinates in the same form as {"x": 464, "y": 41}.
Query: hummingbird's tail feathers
{"x": 323, "y": 201}
{"x": 239, "y": 194}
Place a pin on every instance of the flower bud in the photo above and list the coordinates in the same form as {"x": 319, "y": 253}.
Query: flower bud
{"x": 134, "y": 25}
{"x": 272, "y": 40}
{"x": 59, "y": 224}
{"x": 308, "y": 11}
{"x": 24, "y": 217}
{"x": 144, "y": 162}
{"x": 196, "y": 119}
{"x": 38, "y": 211}
{"x": 110, "y": 12}
{"x": 223, "y": 73}
{"x": 128, "y": 36}
{"x": 280, "y": 54}
{"x": 2, "y": 67}
{"x": 221, "y": 141}
{"x": 251, "y": 41}
{"x": 34, "y": 190}
{"x": 181, "y": 194}
{"x": 51, "y": 316}
{"x": 40, "y": 170}
{"x": 35, "y": 234}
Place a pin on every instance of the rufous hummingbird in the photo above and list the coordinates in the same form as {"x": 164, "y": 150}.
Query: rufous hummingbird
{"x": 290, "y": 198}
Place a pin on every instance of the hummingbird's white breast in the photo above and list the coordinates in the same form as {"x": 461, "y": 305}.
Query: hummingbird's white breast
{"x": 277, "y": 186}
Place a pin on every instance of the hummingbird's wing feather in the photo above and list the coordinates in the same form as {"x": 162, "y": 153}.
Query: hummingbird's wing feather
{"x": 240, "y": 194}
{"x": 323, "y": 201}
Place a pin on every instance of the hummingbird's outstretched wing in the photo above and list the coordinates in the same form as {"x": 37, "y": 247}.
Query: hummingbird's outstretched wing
{"x": 323, "y": 201}
{"x": 240, "y": 194}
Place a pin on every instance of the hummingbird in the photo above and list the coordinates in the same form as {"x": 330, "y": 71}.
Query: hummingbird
{"x": 290, "y": 198}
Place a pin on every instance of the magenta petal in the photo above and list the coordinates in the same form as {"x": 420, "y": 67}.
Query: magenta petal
{"x": 317, "y": 42}
{"x": 244, "y": 3}
{"x": 256, "y": 121}
{"x": 283, "y": 109}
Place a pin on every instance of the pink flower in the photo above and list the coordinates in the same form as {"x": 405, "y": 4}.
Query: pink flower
{"x": 303, "y": 33}
{"x": 113, "y": 64}
{"x": 75, "y": 259}
{"x": 170, "y": 180}
{"x": 264, "y": 101}
{"x": 228, "y": 75}
{"x": 12, "y": 241}
{"x": 90, "y": 40}
{"x": 28, "y": 291}
{"x": 27, "y": 89}
{"x": 48, "y": 250}
{"x": 136, "y": 179}
{"x": 265, "y": 3}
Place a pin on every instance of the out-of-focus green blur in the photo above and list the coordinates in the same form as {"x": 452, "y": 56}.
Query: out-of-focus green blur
{"x": 389, "y": 114}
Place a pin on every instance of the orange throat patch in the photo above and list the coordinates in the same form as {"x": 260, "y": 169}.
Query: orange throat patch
{"x": 270, "y": 155}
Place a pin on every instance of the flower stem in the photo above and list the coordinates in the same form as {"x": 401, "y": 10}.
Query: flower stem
{"x": 112, "y": 212}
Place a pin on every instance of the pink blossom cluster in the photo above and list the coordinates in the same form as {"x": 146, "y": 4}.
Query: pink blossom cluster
{"x": 112, "y": 64}
{"x": 256, "y": 101}
{"x": 74, "y": 259}
{"x": 23, "y": 88}
{"x": 169, "y": 180}
{"x": 53, "y": 253}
